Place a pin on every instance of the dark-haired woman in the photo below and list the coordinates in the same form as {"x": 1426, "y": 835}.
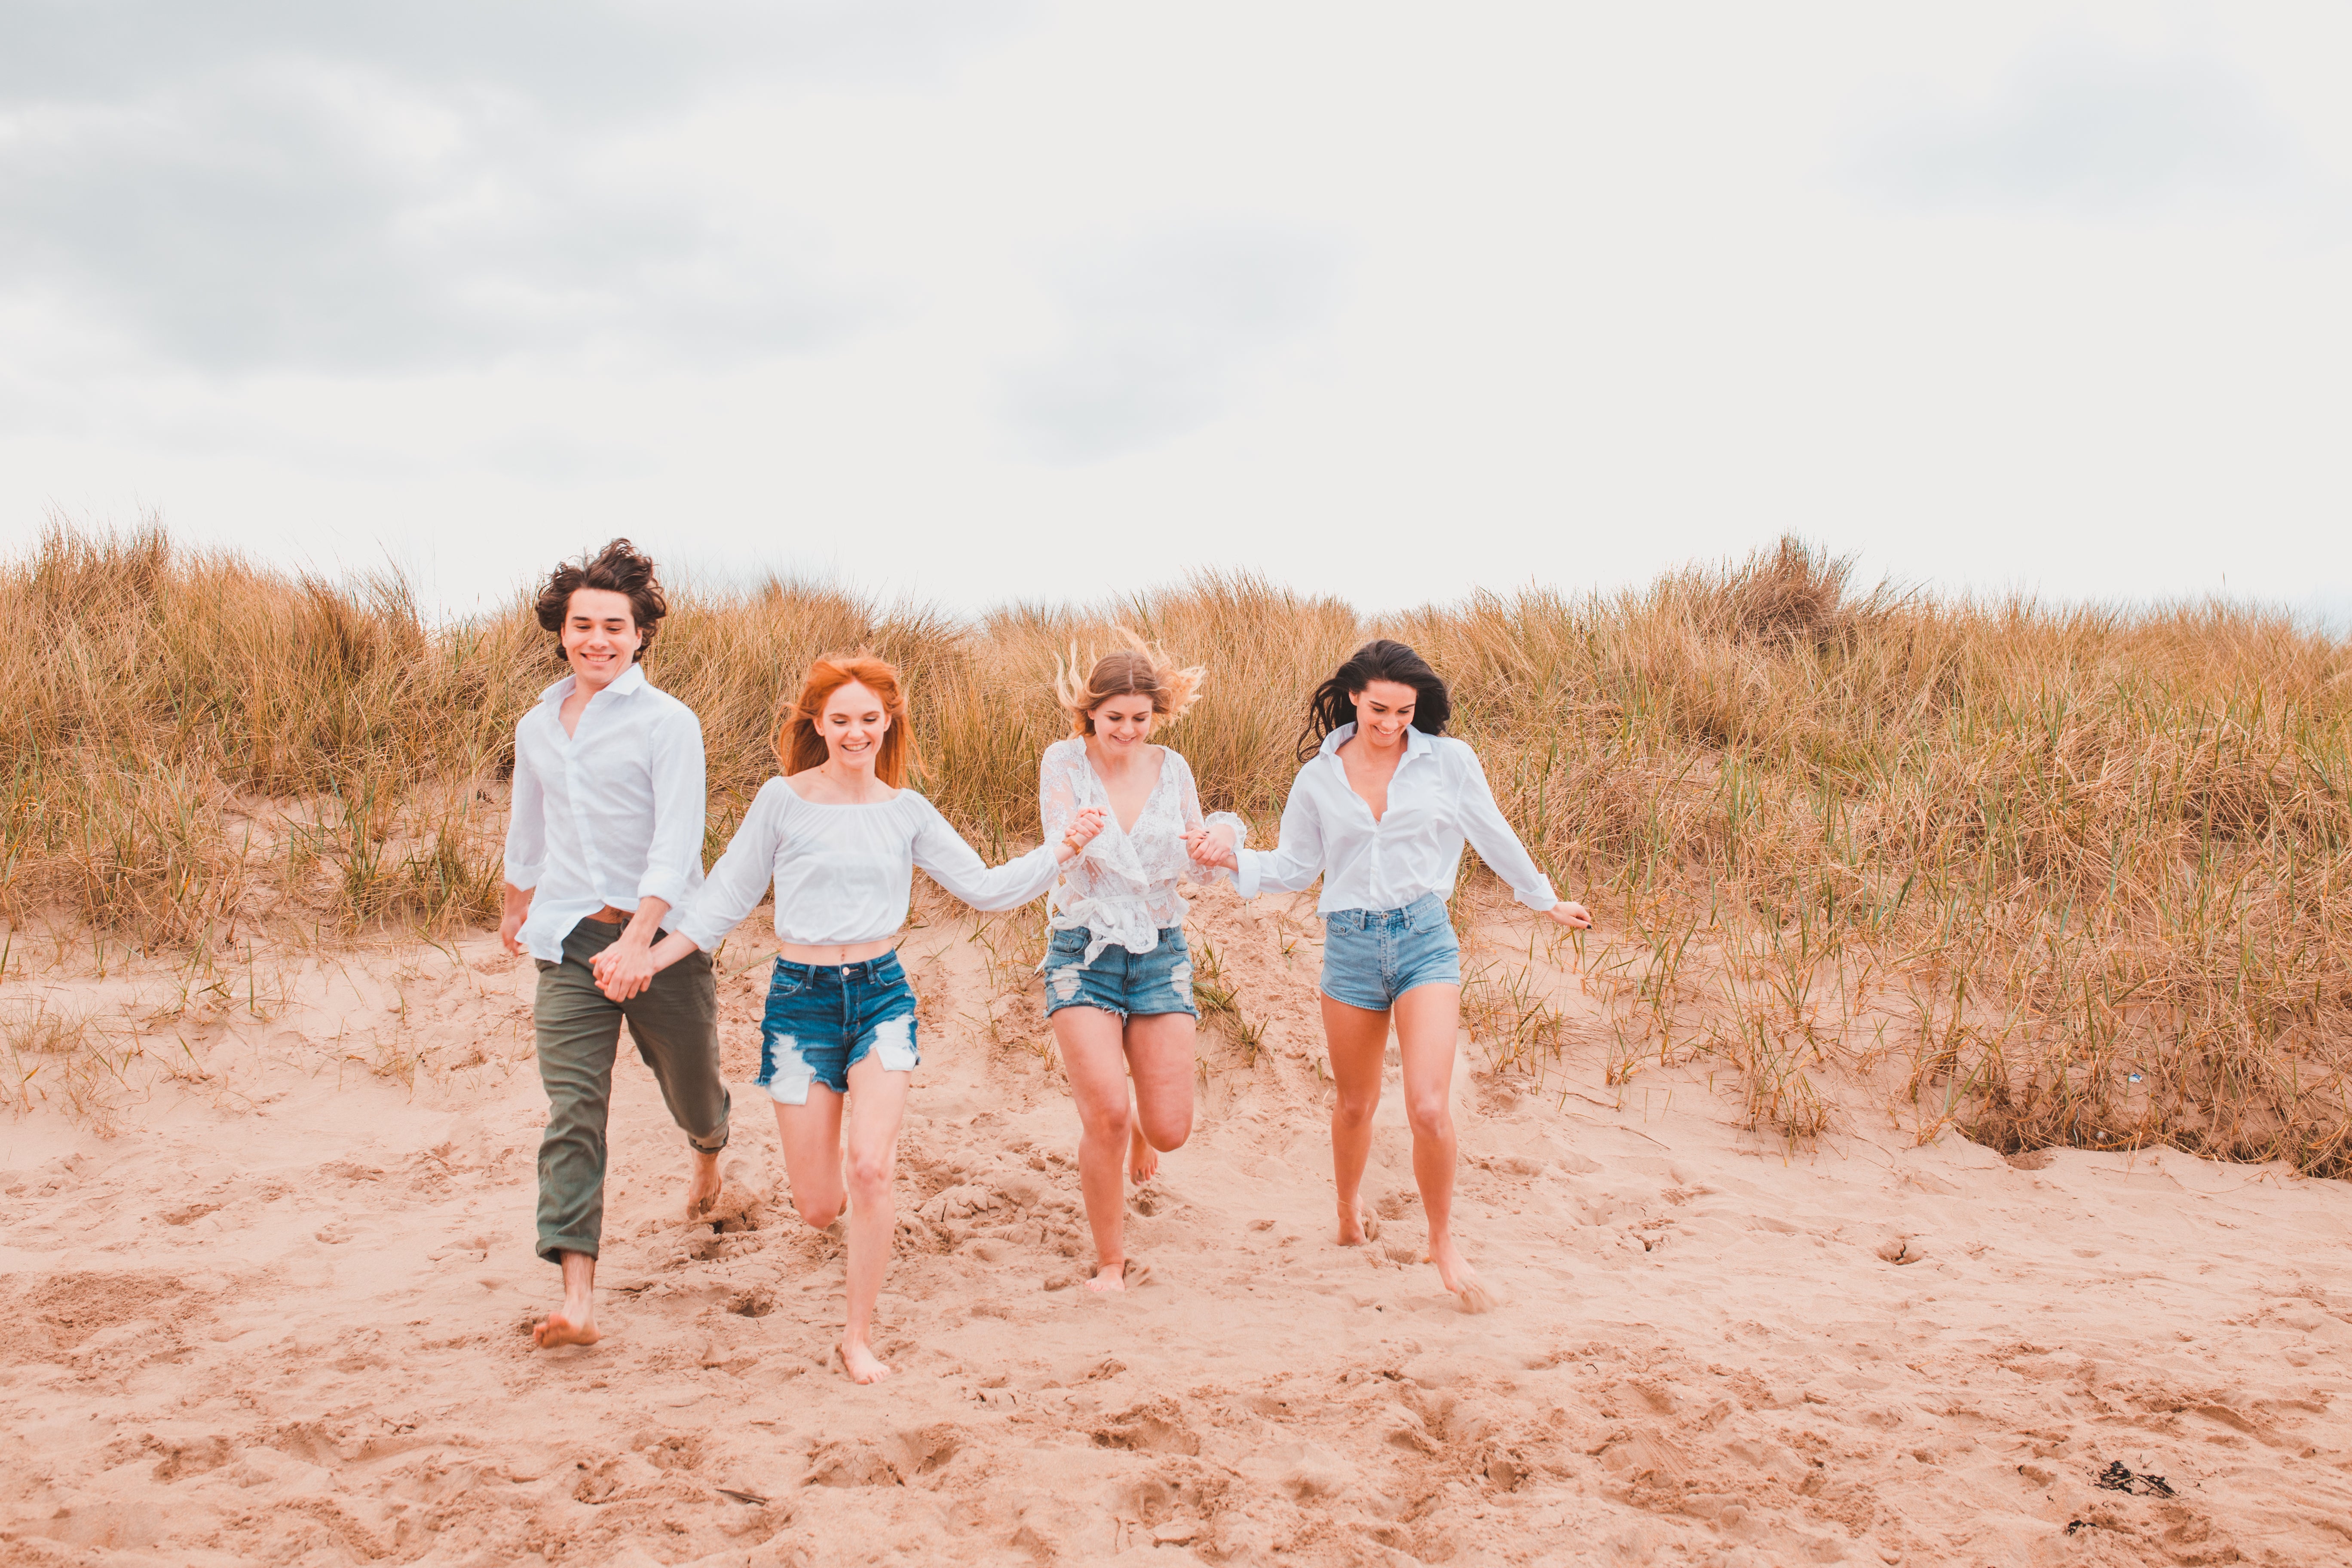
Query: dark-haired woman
{"x": 1119, "y": 978}
{"x": 839, "y": 841}
{"x": 1380, "y": 812}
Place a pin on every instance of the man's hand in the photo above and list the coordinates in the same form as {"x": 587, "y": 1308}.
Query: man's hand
{"x": 623, "y": 970}
{"x": 517, "y": 909}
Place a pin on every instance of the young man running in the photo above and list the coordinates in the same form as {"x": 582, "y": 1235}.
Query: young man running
{"x": 605, "y": 840}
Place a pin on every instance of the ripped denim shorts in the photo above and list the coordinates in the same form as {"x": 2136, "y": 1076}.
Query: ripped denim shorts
{"x": 824, "y": 1019}
{"x": 1117, "y": 980}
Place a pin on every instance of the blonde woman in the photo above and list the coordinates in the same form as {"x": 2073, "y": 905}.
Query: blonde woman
{"x": 1119, "y": 978}
{"x": 840, "y": 840}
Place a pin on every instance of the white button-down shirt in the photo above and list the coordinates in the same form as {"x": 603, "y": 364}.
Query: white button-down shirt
{"x": 1438, "y": 798}
{"x": 608, "y": 814}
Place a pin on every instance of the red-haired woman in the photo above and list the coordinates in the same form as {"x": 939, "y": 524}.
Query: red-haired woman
{"x": 1119, "y": 979}
{"x": 840, "y": 840}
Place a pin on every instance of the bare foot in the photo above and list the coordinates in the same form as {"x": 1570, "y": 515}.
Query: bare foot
{"x": 702, "y": 1191}
{"x": 1113, "y": 1279}
{"x": 1142, "y": 1159}
{"x": 566, "y": 1326}
{"x": 1471, "y": 1294}
{"x": 1358, "y": 1226}
{"x": 862, "y": 1365}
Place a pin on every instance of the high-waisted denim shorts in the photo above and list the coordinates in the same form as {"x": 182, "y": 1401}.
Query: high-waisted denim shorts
{"x": 824, "y": 1019}
{"x": 1371, "y": 957}
{"x": 1117, "y": 980}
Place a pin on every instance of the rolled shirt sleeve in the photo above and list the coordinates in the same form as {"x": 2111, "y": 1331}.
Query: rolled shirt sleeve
{"x": 526, "y": 854}
{"x": 673, "y": 856}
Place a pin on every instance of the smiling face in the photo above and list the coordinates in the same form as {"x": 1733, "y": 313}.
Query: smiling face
{"x": 1384, "y": 711}
{"x": 600, "y": 636}
{"x": 852, "y": 724}
{"x": 1123, "y": 722}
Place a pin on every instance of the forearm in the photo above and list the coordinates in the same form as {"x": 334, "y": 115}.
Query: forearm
{"x": 672, "y": 948}
{"x": 646, "y": 924}
{"x": 516, "y": 902}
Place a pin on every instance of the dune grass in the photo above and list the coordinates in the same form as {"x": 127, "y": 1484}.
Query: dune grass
{"x": 2082, "y": 874}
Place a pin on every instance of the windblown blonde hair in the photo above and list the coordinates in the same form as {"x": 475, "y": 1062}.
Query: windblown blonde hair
{"x": 1139, "y": 670}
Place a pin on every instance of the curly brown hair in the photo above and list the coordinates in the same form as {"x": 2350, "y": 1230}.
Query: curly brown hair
{"x": 618, "y": 568}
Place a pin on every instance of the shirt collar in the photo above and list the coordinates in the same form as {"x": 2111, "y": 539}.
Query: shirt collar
{"x": 1415, "y": 742}
{"x": 631, "y": 679}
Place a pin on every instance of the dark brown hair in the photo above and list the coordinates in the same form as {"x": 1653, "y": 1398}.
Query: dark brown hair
{"x": 1382, "y": 658}
{"x": 618, "y": 568}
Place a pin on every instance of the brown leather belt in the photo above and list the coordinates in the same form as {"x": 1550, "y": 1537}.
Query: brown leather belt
{"x": 610, "y": 916}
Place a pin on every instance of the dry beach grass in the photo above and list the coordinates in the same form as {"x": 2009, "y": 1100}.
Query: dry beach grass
{"x": 2082, "y": 874}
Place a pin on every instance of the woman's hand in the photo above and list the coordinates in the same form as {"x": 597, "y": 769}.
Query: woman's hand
{"x": 1083, "y": 828}
{"x": 1211, "y": 849}
{"x": 620, "y": 981}
{"x": 623, "y": 970}
{"x": 1572, "y": 915}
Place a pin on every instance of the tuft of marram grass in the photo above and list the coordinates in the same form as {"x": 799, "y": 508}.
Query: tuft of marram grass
{"x": 2086, "y": 869}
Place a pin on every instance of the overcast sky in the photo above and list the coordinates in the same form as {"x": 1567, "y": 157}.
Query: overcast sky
{"x": 982, "y": 298}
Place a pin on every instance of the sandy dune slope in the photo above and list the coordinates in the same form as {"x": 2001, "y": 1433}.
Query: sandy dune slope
{"x": 279, "y": 1316}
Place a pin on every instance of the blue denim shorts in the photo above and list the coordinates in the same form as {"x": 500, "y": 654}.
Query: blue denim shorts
{"x": 1117, "y": 980}
{"x": 824, "y": 1019}
{"x": 1371, "y": 957}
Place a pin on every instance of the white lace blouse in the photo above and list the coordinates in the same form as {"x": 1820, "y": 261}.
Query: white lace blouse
{"x": 1123, "y": 887}
{"x": 843, "y": 874}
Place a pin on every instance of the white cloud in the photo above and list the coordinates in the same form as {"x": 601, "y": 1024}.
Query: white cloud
{"x": 1160, "y": 334}
{"x": 2087, "y": 129}
{"x": 974, "y": 299}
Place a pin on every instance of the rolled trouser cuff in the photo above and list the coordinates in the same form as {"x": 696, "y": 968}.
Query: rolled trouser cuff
{"x": 553, "y": 1247}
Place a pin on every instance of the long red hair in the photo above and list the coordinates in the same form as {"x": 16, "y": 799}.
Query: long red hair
{"x": 800, "y": 744}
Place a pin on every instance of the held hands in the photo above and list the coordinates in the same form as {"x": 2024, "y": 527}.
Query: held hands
{"x": 623, "y": 970}
{"x": 1083, "y": 828}
{"x": 1572, "y": 915}
{"x": 1211, "y": 849}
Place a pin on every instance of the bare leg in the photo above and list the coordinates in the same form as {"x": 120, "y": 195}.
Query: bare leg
{"x": 1094, "y": 1056}
{"x": 877, "y": 1100}
{"x": 1142, "y": 1159}
{"x": 811, "y": 1134}
{"x": 1427, "y": 1017}
{"x": 574, "y": 1322}
{"x": 702, "y": 1186}
{"x": 1154, "y": 1050}
{"x": 1358, "y": 1040}
{"x": 1159, "y": 1061}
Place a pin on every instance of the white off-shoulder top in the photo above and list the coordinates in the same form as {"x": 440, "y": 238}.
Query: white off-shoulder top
{"x": 1122, "y": 889}
{"x": 843, "y": 874}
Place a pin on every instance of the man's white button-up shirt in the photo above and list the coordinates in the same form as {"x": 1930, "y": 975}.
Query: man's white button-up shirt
{"x": 1438, "y": 798}
{"x": 608, "y": 814}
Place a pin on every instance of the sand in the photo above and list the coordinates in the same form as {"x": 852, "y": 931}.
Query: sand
{"x": 272, "y": 1306}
